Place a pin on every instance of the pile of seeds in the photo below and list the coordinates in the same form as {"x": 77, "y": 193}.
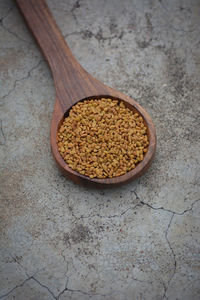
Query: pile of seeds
{"x": 102, "y": 138}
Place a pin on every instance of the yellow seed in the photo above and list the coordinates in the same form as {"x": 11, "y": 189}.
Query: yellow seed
{"x": 102, "y": 138}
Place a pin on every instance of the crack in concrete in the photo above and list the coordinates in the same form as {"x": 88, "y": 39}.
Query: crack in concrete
{"x": 36, "y": 280}
{"x": 63, "y": 256}
{"x": 76, "y": 291}
{"x": 20, "y": 79}
{"x": 166, "y": 234}
{"x": 174, "y": 257}
{"x": 171, "y": 248}
{"x": 7, "y": 29}
{"x": 7, "y": 13}
{"x": 13, "y": 33}
{"x": 17, "y": 286}
{"x": 66, "y": 284}
{"x": 106, "y": 217}
{"x": 65, "y": 288}
{"x": 98, "y": 36}
{"x": 141, "y": 203}
{"x": 164, "y": 209}
{"x": 73, "y": 33}
{"x": 44, "y": 286}
{"x": 142, "y": 281}
{"x": 160, "y": 280}
{"x": 104, "y": 295}
{"x": 26, "y": 280}
{"x": 2, "y": 134}
{"x": 85, "y": 293}
{"x": 47, "y": 288}
{"x": 74, "y": 7}
{"x": 14, "y": 258}
{"x": 112, "y": 216}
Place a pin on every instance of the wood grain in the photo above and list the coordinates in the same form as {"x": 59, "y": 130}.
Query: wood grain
{"x": 73, "y": 84}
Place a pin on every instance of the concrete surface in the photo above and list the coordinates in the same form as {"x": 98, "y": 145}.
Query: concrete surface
{"x": 140, "y": 241}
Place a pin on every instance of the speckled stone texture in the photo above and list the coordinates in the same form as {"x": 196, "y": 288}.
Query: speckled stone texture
{"x": 138, "y": 242}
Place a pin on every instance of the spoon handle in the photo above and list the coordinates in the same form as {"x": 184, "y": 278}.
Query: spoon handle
{"x": 69, "y": 76}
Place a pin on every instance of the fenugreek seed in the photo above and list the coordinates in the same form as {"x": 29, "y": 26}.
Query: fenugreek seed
{"x": 102, "y": 138}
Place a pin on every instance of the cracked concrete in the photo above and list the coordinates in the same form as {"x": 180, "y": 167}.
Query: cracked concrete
{"x": 140, "y": 241}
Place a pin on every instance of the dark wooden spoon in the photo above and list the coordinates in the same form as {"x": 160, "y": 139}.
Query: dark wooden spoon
{"x": 74, "y": 84}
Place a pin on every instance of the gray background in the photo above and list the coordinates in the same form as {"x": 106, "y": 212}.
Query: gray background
{"x": 140, "y": 241}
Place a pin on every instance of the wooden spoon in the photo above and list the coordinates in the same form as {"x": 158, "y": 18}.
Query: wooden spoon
{"x": 74, "y": 84}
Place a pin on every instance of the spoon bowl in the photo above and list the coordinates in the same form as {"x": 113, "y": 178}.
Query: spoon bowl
{"x": 74, "y": 84}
